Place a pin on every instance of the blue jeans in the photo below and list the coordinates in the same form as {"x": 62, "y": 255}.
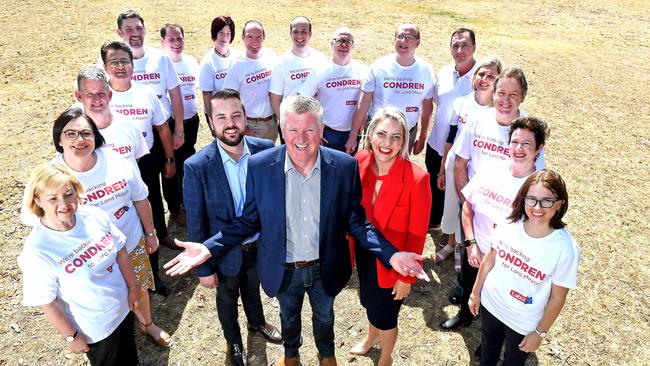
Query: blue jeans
{"x": 292, "y": 292}
{"x": 335, "y": 139}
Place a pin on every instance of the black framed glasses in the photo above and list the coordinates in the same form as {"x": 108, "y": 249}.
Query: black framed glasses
{"x": 544, "y": 202}
{"x": 343, "y": 41}
{"x": 118, "y": 62}
{"x": 74, "y": 134}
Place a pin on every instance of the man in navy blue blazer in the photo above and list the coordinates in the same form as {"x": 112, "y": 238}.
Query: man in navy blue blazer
{"x": 303, "y": 199}
{"x": 214, "y": 193}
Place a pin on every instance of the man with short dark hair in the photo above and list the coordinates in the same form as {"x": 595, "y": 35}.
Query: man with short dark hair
{"x": 152, "y": 67}
{"x": 214, "y": 192}
{"x": 139, "y": 105}
{"x": 337, "y": 86}
{"x": 453, "y": 81}
{"x": 250, "y": 75}
{"x": 303, "y": 199}
{"x": 295, "y": 65}
{"x": 172, "y": 38}
{"x": 402, "y": 80}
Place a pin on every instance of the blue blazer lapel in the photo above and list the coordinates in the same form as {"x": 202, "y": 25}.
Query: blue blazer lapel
{"x": 278, "y": 192}
{"x": 218, "y": 173}
{"x": 327, "y": 191}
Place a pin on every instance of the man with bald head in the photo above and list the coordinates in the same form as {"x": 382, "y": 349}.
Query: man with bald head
{"x": 402, "y": 80}
{"x": 250, "y": 75}
{"x": 337, "y": 86}
{"x": 296, "y": 65}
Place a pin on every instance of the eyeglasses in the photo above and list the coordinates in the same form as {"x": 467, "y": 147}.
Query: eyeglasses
{"x": 544, "y": 202}
{"x": 343, "y": 41}
{"x": 405, "y": 37}
{"x": 118, "y": 62}
{"x": 73, "y": 135}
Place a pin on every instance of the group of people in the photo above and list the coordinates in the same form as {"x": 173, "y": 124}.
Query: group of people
{"x": 295, "y": 218}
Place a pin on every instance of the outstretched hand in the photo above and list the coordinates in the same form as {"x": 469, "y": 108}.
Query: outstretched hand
{"x": 409, "y": 264}
{"x": 193, "y": 255}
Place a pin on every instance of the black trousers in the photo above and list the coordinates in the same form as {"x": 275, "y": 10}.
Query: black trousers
{"x": 432, "y": 161}
{"x": 173, "y": 187}
{"x": 494, "y": 334}
{"x": 247, "y": 284}
{"x": 151, "y": 166}
{"x": 468, "y": 277}
{"x": 118, "y": 349}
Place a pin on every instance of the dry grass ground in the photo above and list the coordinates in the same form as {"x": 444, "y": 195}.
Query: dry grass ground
{"x": 588, "y": 69}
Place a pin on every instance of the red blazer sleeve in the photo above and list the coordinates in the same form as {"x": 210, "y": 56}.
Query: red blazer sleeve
{"x": 418, "y": 218}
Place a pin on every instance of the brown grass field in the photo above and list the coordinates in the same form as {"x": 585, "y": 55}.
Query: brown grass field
{"x": 587, "y": 64}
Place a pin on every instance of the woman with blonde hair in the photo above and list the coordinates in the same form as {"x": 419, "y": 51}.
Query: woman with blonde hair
{"x": 397, "y": 200}
{"x": 76, "y": 268}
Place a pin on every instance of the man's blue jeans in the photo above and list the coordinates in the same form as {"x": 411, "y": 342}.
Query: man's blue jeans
{"x": 295, "y": 283}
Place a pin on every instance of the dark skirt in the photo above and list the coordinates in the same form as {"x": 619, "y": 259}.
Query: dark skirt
{"x": 381, "y": 308}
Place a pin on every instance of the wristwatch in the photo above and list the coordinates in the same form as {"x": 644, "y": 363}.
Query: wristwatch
{"x": 541, "y": 333}
{"x": 71, "y": 338}
{"x": 170, "y": 160}
{"x": 151, "y": 234}
{"x": 469, "y": 242}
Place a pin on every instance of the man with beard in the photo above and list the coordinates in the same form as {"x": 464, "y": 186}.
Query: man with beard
{"x": 214, "y": 191}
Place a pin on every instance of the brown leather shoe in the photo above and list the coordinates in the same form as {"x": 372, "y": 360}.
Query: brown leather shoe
{"x": 288, "y": 361}
{"x": 329, "y": 361}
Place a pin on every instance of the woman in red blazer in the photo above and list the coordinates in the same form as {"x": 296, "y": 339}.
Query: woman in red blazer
{"x": 397, "y": 199}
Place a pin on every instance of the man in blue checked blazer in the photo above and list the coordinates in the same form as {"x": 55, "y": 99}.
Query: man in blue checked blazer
{"x": 214, "y": 191}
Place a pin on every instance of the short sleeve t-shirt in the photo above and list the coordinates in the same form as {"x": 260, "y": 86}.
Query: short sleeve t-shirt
{"x": 188, "y": 72}
{"x": 491, "y": 195}
{"x": 449, "y": 87}
{"x": 140, "y": 106}
{"x": 78, "y": 267}
{"x": 125, "y": 139}
{"x": 112, "y": 185}
{"x": 252, "y": 77}
{"x": 214, "y": 70}
{"x": 518, "y": 287}
{"x": 485, "y": 144}
{"x": 338, "y": 89}
{"x": 399, "y": 86}
{"x": 291, "y": 72}
{"x": 155, "y": 70}
{"x": 462, "y": 110}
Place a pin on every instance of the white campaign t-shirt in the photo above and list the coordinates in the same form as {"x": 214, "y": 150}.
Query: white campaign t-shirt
{"x": 252, "y": 77}
{"x": 399, "y": 86}
{"x": 188, "y": 72}
{"x": 214, "y": 70}
{"x": 485, "y": 144}
{"x": 491, "y": 195}
{"x": 518, "y": 287}
{"x": 78, "y": 267}
{"x": 291, "y": 71}
{"x": 140, "y": 106}
{"x": 112, "y": 185}
{"x": 338, "y": 88}
{"x": 155, "y": 70}
{"x": 449, "y": 87}
{"x": 124, "y": 138}
{"x": 462, "y": 111}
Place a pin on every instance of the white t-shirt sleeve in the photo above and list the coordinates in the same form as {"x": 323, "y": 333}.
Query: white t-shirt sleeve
{"x": 432, "y": 92}
{"x": 40, "y": 285}
{"x": 368, "y": 85}
{"x": 206, "y": 74}
{"x": 172, "y": 80}
{"x": 276, "y": 84}
{"x": 141, "y": 148}
{"x": 232, "y": 78}
{"x": 462, "y": 145}
{"x": 160, "y": 113}
{"x": 566, "y": 270}
{"x": 139, "y": 190}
